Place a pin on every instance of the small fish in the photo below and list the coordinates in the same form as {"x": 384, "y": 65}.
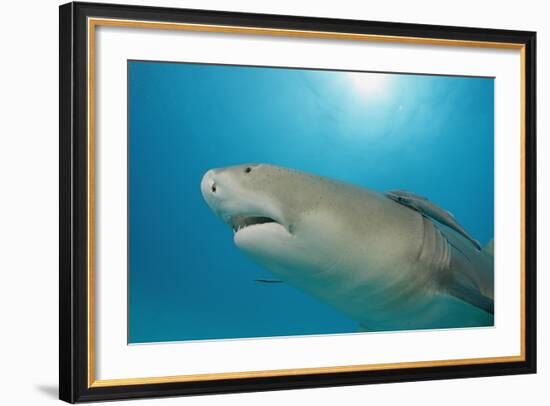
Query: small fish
{"x": 268, "y": 281}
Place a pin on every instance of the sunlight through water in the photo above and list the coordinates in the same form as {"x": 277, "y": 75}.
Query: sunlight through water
{"x": 369, "y": 84}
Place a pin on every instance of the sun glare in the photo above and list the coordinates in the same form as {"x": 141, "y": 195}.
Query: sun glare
{"x": 368, "y": 83}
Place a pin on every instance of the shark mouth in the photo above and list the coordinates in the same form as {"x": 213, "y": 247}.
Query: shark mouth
{"x": 240, "y": 222}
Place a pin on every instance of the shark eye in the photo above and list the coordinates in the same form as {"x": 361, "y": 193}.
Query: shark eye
{"x": 213, "y": 188}
{"x": 248, "y": 169}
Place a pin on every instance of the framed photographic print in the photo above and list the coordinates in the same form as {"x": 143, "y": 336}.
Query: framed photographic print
{"x": 254, "y": 202}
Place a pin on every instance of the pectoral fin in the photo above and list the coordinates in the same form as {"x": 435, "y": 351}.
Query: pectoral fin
{"x": 473, "y": 296}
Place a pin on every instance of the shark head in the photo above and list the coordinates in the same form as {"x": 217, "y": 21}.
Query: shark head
{"x": 239, "y": 197}
{"x": 251, "y": 200}
{"x": 273, "y": 212}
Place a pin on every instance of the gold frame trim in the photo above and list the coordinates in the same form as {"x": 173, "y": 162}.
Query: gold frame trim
{"x": 94, "y": 22}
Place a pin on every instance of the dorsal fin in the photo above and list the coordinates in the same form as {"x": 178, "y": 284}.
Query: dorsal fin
{"x": 431, "y": 210}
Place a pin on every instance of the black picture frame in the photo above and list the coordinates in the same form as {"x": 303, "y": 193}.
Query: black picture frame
{"x": 74, "y": 385}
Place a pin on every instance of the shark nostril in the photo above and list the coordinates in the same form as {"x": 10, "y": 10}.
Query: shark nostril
{"x": 213, "y": 188}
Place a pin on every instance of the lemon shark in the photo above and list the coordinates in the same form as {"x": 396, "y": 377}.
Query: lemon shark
{"x": 390, "y": 261}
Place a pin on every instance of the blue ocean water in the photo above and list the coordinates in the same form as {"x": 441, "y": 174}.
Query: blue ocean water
{"x": 431, "y": 135}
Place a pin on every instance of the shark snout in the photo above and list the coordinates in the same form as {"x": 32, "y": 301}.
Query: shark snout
{"x": 220, "y": 193}
{"x": 211, "y": 190}
{"x": 208, "y": 184}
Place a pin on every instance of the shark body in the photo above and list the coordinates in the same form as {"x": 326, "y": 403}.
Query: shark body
{"x": 382, "y": 262}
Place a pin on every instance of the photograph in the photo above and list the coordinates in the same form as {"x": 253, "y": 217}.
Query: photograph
{"x": 269, "y": 201}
